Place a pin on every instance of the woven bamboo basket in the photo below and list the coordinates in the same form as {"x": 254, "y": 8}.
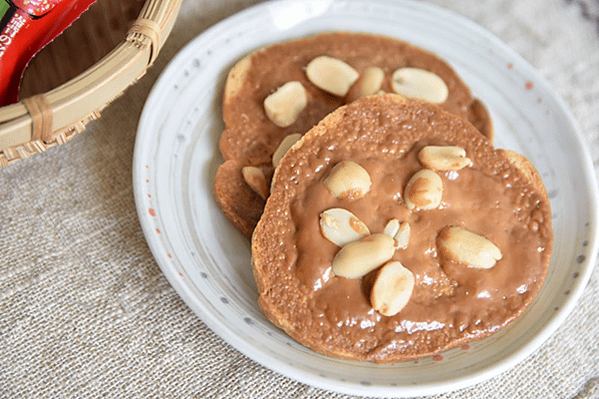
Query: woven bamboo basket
{"x": 62, "y": 91}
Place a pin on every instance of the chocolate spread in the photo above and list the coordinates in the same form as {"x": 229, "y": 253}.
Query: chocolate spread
{"x": 451, "y": 303}
{"x": 250, "y": 138}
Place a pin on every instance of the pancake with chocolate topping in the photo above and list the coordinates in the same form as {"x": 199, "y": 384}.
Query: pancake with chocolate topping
{"x": 250, "y": 138}
{"x": 475, "y": 256}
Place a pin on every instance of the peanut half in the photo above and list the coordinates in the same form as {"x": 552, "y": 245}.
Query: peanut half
{"x": 471, "y": 249}
{"x": 284, "y": 105}
{"x": 372, "y": 80}
{"x": 402, "y": 237}
{"x": 400, "y": 231}
{"x": 443, "y": 158}
{"x": 424, "y": 190}
{"x": 285, "y": 145}
{"x": 331, "y": 75}
{"x": 347, "y": 179}
{"x": 392, "y": 227}
{"x": 341, "y": 227}
{"x": 255, "y": 178}
{"x": 392, "y": 289}
{"x": 359, "y": 258}
{"x": 419, "y": 84}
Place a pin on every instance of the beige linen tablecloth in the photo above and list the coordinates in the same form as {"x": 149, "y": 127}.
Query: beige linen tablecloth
{"x": 86, "y": 312}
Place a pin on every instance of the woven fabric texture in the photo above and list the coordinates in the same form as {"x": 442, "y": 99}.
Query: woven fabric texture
{"x": 86, "y": 312}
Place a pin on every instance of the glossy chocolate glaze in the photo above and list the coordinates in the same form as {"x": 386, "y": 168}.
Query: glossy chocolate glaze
{"x": 451, "y": 303}
{"x": 250, "y": 138}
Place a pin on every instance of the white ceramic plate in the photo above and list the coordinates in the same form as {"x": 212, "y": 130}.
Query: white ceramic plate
{"x": 208, "y": 262}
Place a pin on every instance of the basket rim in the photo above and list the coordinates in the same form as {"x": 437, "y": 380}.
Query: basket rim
{"x": 37, "y": 123}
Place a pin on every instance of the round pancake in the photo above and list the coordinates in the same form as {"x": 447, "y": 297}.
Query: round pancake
{"x": 250, "y": 138}
{"x": 499, "y": 196}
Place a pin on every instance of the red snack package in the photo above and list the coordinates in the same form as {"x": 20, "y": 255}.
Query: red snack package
{"x": 26, "y": 26}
